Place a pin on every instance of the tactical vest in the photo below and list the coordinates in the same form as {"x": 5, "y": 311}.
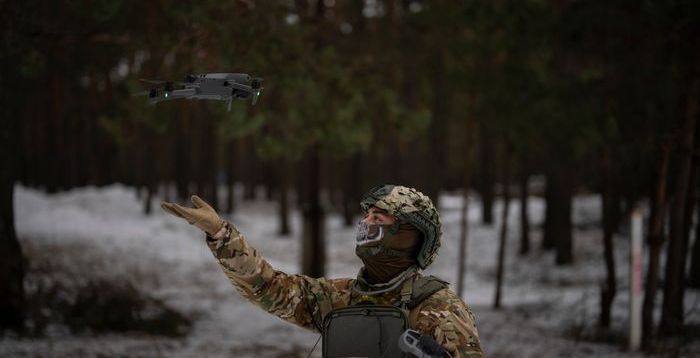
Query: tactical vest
{"x": 373, "y": 330}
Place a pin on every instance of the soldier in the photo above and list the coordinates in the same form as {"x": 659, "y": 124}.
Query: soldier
{"x": 398, "y": 237}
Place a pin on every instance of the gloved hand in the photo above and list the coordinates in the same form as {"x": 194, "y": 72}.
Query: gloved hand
{"x": 202, "y": 215}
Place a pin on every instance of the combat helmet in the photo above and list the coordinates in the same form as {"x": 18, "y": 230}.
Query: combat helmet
{"x": 413, "y": 207}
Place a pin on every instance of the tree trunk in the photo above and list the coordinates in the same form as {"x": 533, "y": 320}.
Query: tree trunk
{"x": 313, "y": 256}
{"x": 148, "y": 169}
{"x": 464, "y": 231}
{"x": 251, "y": 170}
{"x": 230, "y": 177}
{"x": 655, "y": 239}
{"x": 557, "y": 231}
{"x": 487, "y": 153}
{"x": 150, "y": 190}
{"x": 690, "y": 209}
{"x": 283, "y": 175}
{"x": 464, "y": 223}
{"x": 504, "y": 229}
{"x": 548, "y": 236}
{"x": 12, "y": 264}
{"x": 268, "y": 181}
{"x": 672, "y": 311}
{"x": 562, "y": 225}
{"x": 208, "y": 164}
{"x": 351, "y": 194}
{"x": 11, "y": 260}
{"x": 249, "y": 187}
{"x": 211, "y": 164}
{"x": 182, "y": 155}
{"x": 609, "y": 289}
{"x": 694, "y": 277}
{"x": 437, "y": 131}
{"x": 524, "y": 212}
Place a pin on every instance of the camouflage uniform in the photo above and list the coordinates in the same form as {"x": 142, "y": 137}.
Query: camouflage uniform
{"x": 305, "y": 301}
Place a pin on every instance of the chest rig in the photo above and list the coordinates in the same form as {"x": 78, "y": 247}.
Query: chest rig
{"x": 371, "y": 327}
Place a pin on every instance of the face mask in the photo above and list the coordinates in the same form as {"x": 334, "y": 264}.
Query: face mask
{"x": 387, "y": 250}
{"x": 370, "y": 234}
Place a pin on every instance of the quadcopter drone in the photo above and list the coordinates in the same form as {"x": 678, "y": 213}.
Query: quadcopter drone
{"x": 219, "y": 86}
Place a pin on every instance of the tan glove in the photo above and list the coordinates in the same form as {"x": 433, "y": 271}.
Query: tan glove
{"x": 202, "y": 215}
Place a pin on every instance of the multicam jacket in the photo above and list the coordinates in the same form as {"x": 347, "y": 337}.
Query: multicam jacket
{"x": 304, "y": 301}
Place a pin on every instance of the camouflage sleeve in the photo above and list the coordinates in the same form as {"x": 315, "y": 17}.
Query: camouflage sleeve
{"x": 450, "y": 322}
{"x": 298, "y": 299}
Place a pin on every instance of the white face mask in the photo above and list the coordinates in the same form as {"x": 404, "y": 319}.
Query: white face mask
{"x": 367, "y": 233}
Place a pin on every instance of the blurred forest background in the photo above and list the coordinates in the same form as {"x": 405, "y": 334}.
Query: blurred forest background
{"x": 491, "y": 96}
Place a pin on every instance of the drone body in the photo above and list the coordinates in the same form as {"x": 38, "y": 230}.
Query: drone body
{"x": 217, "y": 86}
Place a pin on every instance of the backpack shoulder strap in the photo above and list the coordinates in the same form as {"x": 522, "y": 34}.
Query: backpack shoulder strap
{"x": 424, "y": 287}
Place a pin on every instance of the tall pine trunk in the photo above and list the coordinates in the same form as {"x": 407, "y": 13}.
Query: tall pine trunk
{"x": 690, "y": 207}
{"x": 148, "y": 170}
{"x": 524, "y": 210}
{"x": 12, "y": 268}
{"x": 486, "y": 189}
{"x": 11, "y": 260}
{"x": 464, "y": 235}
{"x": 672, "y": 311}
{"x": 352, "y": 182}
{"x": 313, "y": 256}
{"x": 283, "y": 208}
{"x": 464, "y": 222}
{"x": 562, "y": 225}
{"x": 655, "y": 240}
{"x": 182, "y": 155}
{"x": 230, "y": 158}
{"x": 694, "y": 276}
{"x": 12, "y": 300}
{"x": 504, "y": 229}
{"x": 251, "y": 169}
{"x": 557, "y": 233}
{"x": 437, "y": 132}
{"x": 609, "y": 289}
{"x": 548, "y": 236}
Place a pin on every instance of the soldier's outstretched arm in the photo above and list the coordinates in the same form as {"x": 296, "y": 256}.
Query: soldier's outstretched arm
{"x": 446, "y": 318}
{"x": 298, "y": 299}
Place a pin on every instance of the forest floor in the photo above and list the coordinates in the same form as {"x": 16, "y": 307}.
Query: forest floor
{"x": 101, "y": 235}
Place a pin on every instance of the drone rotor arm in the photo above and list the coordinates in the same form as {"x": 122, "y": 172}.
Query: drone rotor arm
{"x": 153, "y": 82}
{"x": 180, "y": 93}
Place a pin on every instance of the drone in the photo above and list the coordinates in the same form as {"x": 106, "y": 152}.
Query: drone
{"x": 218, "y": 86}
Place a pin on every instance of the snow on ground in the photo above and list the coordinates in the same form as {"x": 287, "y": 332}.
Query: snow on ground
{"x": 100, "y": 232}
